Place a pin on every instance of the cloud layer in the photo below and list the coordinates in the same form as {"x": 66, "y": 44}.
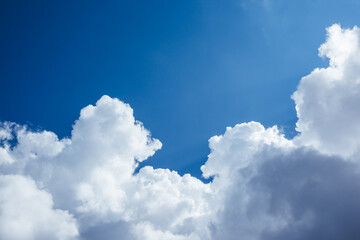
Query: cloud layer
{"x": 264, "y": 185}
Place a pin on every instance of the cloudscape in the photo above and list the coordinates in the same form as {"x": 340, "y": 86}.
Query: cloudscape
{"x": 261, "y": 184}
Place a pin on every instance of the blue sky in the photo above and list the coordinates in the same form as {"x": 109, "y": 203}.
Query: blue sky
{"x": 187, "y": 68}
{"x": 210, "y": 80}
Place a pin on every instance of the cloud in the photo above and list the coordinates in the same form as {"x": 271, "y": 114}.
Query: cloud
{"x": 27, "y": 212}
{"x": 327, "y": 100}
{"x": 264, "y": 185}
{"x": 271, "y": 189}
{"x": 92, "y": 174}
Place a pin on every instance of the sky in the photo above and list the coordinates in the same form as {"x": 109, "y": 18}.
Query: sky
{"x": 188, "y": 68}
{"x": 179, "y": 119}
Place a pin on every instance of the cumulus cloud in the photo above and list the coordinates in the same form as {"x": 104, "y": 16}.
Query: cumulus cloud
{"x": 264, "y": 185}
{"x": 92, "y": 175}
{"x": 277, "y": 190}
{"x": 27, "y": 212}
{"x": 327, "y": 100}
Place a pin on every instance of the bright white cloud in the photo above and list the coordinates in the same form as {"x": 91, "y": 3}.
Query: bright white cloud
{"x": 27, "y": 212}
{"x": 327, "y": 100}
{"x": 264, "y": 185}
{"x": 92, "y": 174}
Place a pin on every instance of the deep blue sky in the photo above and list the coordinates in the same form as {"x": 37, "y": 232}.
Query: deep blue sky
{"x": 187, "y": 68}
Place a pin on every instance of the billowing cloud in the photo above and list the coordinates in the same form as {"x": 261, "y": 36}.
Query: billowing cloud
{"x": 92, "y": 175}
{"x": 264, "y": 185}
{"x": 327, "y": 100}
{"x": 27, "y": 212}
{"x": 273, "y": 189}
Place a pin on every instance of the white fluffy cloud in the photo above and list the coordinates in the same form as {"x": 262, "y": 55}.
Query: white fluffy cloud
{"x": 264, "y": 185}
{"x": 92, "y": 175}
{"x": 27, "y": 212}
{"x": 327, "y": 100}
